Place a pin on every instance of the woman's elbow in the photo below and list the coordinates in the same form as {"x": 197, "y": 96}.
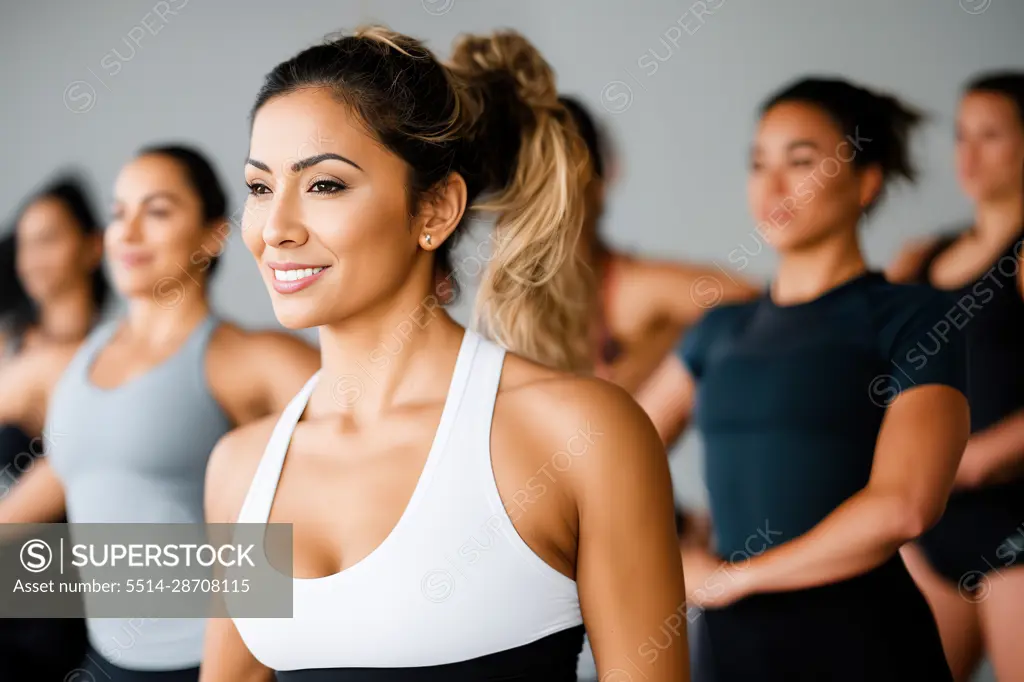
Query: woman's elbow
{"x": 916, "y": 517}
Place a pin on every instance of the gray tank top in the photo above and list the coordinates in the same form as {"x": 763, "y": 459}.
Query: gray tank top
{"x": 137, "y": 453}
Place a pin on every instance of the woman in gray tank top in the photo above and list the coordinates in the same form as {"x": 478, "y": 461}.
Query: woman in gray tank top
{"x": 135, "y": 415}
{"x": 52, "y": 292}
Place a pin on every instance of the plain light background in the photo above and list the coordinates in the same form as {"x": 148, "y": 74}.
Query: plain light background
{"x": 676, "y": 83}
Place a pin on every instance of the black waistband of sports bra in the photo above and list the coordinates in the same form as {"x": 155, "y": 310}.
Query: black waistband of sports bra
{"x": 550, "y": 659}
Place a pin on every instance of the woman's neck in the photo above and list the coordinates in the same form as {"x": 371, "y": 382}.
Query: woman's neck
{"x": 395, "y": 354}
{"x": 806, "y": 274}
{"x": 167, "y": 315}
{"x": 998, "y": 220}
{"x": 69, "y": 316}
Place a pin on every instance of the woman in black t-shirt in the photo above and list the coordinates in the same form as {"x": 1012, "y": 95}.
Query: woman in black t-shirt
{"x": 832, "y": 412}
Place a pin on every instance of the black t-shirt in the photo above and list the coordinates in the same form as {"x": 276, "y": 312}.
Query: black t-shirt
{"x": 790, "y": 399}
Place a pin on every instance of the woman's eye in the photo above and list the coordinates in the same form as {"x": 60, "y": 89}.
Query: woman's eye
{"x": 257, "y": 188}
{"x": 326, "y": 187}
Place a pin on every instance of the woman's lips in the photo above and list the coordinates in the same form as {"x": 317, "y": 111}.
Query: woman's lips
{"x": 131, "y": 260}
{"x": 292, "y": 277}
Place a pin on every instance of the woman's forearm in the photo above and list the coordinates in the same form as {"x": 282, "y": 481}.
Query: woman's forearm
{"x": 998, "y": 449}
{"x": 861, "y": 534}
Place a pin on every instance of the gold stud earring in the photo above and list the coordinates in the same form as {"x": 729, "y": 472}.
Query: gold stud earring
{"x": 427, "y": 239}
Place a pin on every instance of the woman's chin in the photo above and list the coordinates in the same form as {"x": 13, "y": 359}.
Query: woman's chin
{"x": 293, "y": 319}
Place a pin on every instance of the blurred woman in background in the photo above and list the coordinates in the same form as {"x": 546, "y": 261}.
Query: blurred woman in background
{"x": 832, "y": 426}
{"x": 969, "y": 566}
{"x": 441, "y": 442}
{"x": 135, "y": 414}
{"x": 52, "y": 292}
{"x": 640, "y": 307}
{"x": 52, "y": 288}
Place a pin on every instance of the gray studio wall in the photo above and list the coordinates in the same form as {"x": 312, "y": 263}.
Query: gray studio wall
{"x": 677, "y": 82}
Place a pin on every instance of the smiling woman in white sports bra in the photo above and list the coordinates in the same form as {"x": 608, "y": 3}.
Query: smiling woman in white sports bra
{"x": 460, "y": 513}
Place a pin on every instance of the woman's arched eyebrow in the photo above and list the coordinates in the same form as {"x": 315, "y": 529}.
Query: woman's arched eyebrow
{"x": 303, "y": 164}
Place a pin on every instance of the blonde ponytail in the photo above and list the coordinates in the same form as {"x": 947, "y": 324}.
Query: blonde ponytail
{"x": 536, "y": 295}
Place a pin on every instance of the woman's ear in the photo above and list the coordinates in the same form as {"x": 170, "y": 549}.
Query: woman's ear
{"x": 871, "y": 180}
{"x": 216, "y": 239}
{"x": 93, "y": 252}
{"x": 440, "y": 211}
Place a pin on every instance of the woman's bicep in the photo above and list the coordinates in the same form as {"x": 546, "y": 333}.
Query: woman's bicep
{"x": 667, "y": 398}
{"x": 919, "y": 448}
{"x": 627, "y": 538}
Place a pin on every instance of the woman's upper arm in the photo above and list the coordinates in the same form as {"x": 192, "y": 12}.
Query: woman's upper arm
{"x": 25, "y": 386}
{"x": 667, "y": 398}
{"x": 36, "y": 497}
{"x": 229, "y": 473}
{"x": 231, "y": 467}
{"x": 919, "y": 447}
{"x": 628, "y": 570}
{"x": 927, "y": 418}
{"x": 226, "y": 658}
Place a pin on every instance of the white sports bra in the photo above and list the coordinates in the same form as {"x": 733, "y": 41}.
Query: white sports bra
{"x": 453, "y": 590}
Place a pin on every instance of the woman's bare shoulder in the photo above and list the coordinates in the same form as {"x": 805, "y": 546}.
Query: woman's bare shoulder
{"x": 231, "y": 468}
{"x": 551, "y": 408}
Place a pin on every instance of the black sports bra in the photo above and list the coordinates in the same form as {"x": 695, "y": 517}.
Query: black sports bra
{"x": 990, "y": 311}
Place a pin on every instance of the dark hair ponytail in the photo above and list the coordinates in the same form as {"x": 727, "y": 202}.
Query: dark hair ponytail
{"x": 877, "y": 124}
{"x": 15, "y": 305}
{"x": 204, "y": 181}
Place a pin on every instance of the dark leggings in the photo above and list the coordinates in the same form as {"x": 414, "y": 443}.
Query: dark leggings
{"x": 95, "y": 668}
{"x": 873, "y": 627}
